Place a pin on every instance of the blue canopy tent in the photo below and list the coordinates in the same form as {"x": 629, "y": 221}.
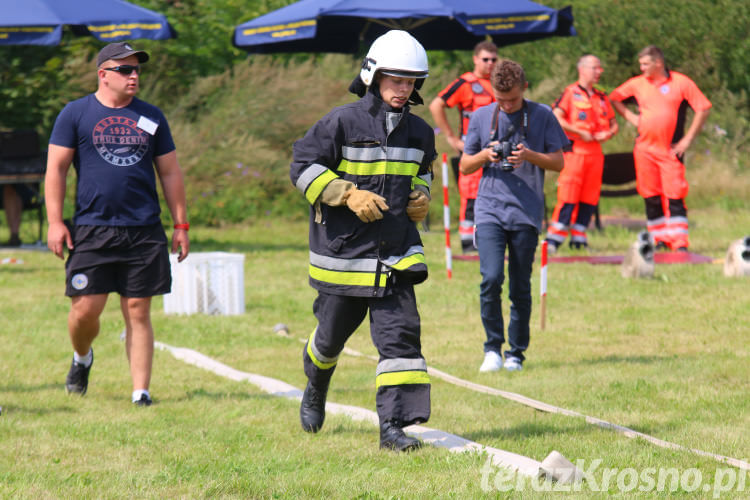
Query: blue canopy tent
{"x": 40, "y": 22}
{"x": 345, "y": 25}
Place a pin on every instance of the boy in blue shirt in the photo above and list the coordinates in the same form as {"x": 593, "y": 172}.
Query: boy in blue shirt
{"x": 510, "y": 204}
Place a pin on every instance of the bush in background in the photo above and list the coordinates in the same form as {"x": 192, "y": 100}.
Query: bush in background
{"x": 236, "y": 116}
{"x": 235, "y": 133}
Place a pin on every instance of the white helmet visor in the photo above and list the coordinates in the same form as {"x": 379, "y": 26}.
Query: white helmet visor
{"x": 403, "y": 74}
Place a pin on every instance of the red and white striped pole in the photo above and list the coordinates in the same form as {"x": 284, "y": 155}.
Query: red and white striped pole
{"x": 543, "y": 285}
{"x": 447, "y": 219}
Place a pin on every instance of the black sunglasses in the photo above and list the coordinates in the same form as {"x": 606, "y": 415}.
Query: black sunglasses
{"x": 125, "y": 69}
{"x": 488, "y": 59}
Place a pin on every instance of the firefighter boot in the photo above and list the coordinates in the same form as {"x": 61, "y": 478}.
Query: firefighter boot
{"x": 393, "y": 438}
{"x": 312, "y": 411}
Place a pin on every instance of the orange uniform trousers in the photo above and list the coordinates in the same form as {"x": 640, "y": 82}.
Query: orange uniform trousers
{"x": 578, "y": 189}
{"x": 468, "y": 186}
{"x": 660, "y": 179}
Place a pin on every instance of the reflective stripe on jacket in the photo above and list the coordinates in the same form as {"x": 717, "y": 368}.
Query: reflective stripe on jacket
{"x": 379, "y": 151}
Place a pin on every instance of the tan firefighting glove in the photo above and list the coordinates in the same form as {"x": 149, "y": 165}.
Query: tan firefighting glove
{"x": 418, "y": 206}
{"x": 365, "y": 204}
{"x": 336, "y": 192}
{"x": 334, "y": 195}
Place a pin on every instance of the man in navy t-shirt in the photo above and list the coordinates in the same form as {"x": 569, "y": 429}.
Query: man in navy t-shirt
{"x": 116, "y": 242}
{"x": 510, "y": 204}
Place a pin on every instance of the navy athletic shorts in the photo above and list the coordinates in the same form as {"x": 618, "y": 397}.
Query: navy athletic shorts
{"x": 130, "y": 260}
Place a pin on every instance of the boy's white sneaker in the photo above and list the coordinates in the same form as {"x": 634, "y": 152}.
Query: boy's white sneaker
{"x": 492, "y": 362}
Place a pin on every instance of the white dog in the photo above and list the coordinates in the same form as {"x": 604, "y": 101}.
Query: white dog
{"x": 737, "y": 261}
{"x": 639, "y": 259}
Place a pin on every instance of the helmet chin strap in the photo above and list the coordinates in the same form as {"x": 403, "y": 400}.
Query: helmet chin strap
{"x": 415, "y": 99}
{"x": 358, "y": 87}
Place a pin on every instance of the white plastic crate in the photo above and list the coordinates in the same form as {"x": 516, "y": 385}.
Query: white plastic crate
{"x": 207, "y": 282}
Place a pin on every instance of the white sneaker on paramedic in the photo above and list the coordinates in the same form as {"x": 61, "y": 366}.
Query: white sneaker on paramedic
{"x": 512, "y": 363}
{"x": 492, "y": 362}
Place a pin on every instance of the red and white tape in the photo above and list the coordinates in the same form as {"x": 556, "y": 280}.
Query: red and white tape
{"x": 543, "y": 285}
{"x": 447, "y": 220}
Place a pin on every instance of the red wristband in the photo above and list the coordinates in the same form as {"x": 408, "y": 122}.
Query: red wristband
{"x": 184, "y": 226}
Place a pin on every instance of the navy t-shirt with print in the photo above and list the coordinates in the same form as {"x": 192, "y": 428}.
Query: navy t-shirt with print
{"x": 114, "y": 154}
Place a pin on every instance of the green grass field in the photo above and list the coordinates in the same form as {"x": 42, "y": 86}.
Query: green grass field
{"x": 666, "y": 356}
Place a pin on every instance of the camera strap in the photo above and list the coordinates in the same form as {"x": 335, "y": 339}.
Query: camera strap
{"x": 512, "y": 128}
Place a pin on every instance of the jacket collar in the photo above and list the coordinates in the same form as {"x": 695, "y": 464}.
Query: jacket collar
{"x": 376, "y": 106}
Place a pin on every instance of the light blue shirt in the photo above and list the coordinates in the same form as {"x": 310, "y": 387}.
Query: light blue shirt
{"x": 513, "y": 199}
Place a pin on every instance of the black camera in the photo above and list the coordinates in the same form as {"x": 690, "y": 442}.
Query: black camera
{"x": 504, "y": 149}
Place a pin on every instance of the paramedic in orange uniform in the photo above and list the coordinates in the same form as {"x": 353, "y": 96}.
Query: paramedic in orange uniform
{"x": 588, "y": 119}
{"x": 468, "y": 92}
{"x": 662, "y": 97}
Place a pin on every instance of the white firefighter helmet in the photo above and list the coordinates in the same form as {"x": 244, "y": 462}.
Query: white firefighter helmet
{"x": 395, "y": 53}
